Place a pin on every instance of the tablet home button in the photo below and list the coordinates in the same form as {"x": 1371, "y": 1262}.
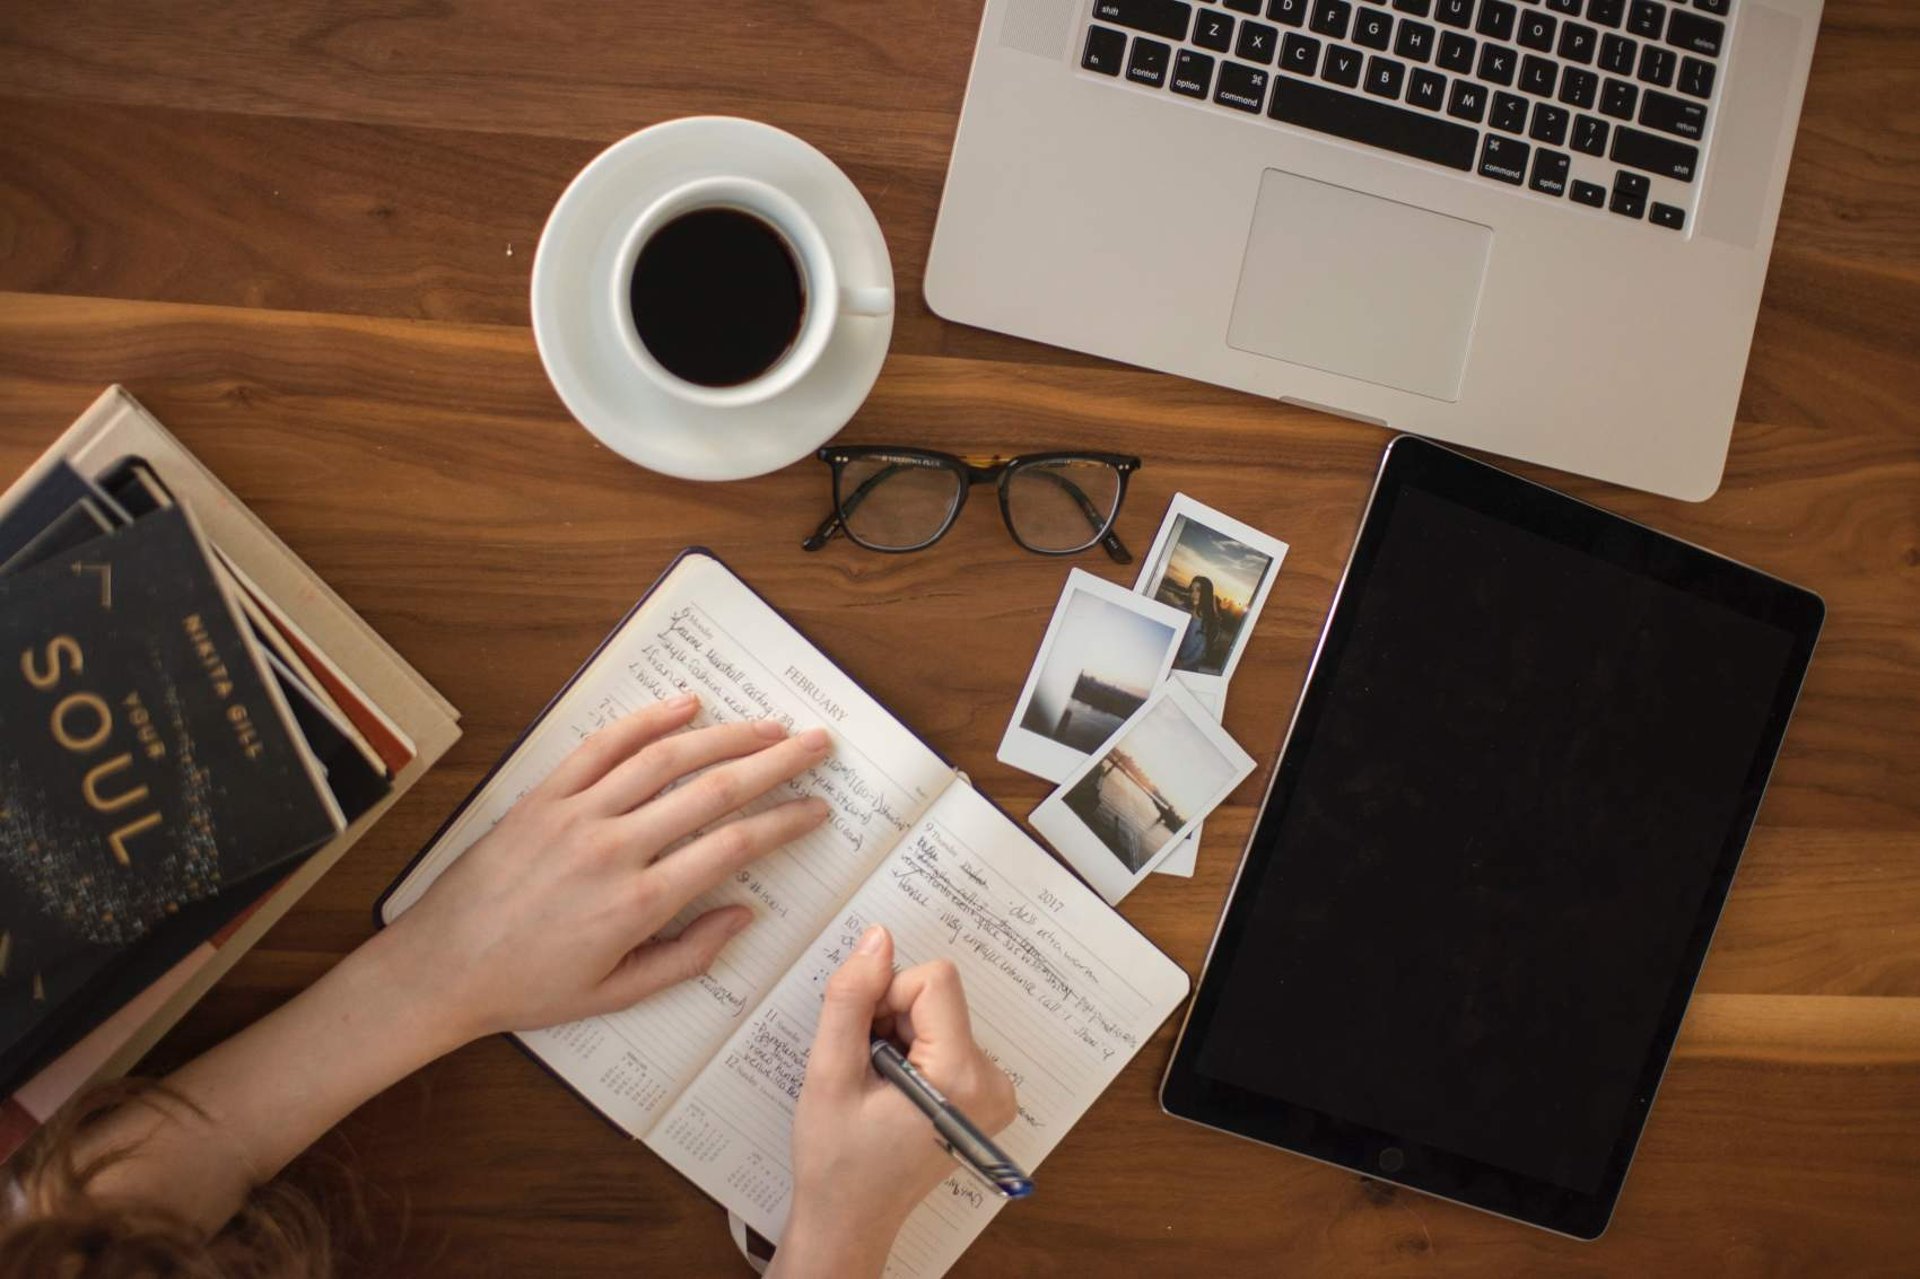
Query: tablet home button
{"x": 1392, "y": 1159}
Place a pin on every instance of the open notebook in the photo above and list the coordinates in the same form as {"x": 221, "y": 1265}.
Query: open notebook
{"x": 1063, "y": 991}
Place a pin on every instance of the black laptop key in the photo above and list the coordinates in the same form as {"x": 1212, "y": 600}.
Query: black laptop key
{"x": 1427, "y": 90}
{"x": 1454, "y": 13}
{"x": 1299, "y": 54}
{"x": 1148, "y": 62}
{"x": 1579, "y": 87}
{"x": 1667, "y": 215}
{"x": 1538, "y": 75}
{"x": 1467, "y": 101}
{"x": 1617, "y": 54}
{"x": 1607, "y": 13}
{"x": 1646, "y": 18}
{"x": 1588, "y": 193}
{"x": 1504, "y": 159}
{"x": 1537, "y": 30}
{"x": 1549, "y": 124}
{"x": 1569, "y": 7}
{"x": 1380, "y": 124}
{"x": 1456, "y": 52}
{"x": 1629, "y": 194}
{"x": 1577, "y": 42}
{"x": 1550, "y": 172}
{"x": 1192, "y": 73}
{"x": 1589, "y": 135}
{"x": 1342, "y": 66}
{"x": 1655, "y": 154}
{"x": 1213, "y": 31}
{"x": 1166, "y": 18}
{"x": 1718, "y": 8}
{"x": 1696, "y": 78}
{"x": 1257, "y": 42}
{"x": 1496, "y": 63}
{"x": 1330, "y": 18}
{"x": 1385, "y": 76}
{"x": 1414, "y": 41}
{"x": 1414, "y": 8}
{"x": 1696, "y": 34}
{"x": 1373, "y": 28}
{"x": 1669, "y": 114}
{"x": 1250, "y": 7}
{"x": 1656, "y": 65}
{"x": 1509, "y": 112}
{"x": 1241, "y": 87}
{"x": 1292, "y": 13}
{"x": 1496, "y": 19}
{"x": 1106, "y": 49}
{"x": 1619, "y": 98}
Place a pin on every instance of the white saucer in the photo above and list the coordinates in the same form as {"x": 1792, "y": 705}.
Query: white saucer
{"x": 582, "y": 350}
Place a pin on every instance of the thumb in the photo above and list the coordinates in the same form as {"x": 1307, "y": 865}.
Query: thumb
{"x": 839, "y": 1056}
{"x": 660, "y": 964}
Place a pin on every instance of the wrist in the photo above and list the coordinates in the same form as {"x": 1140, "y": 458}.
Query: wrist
{"x": 394, "y": 977}
{"x": 819, "y": 1242}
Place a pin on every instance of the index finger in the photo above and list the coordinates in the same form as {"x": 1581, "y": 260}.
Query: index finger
{"x": 928, "y": 1002}
{"x": 607, "y": 748}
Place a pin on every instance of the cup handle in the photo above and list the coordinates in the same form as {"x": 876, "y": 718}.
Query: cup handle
{"x": 877, "y": 300}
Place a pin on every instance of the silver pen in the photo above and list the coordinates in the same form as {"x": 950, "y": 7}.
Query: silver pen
{"x": 970, "y": 1147}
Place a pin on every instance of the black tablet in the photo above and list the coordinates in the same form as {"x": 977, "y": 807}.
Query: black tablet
{"x": 1491, "y": 857}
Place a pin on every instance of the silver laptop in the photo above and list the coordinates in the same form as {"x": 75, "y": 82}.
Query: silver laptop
{"x": 1537, "y": 227}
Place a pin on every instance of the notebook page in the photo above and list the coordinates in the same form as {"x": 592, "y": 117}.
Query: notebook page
{"x": 703, "y": 631}
{"x": 1062, "y": 992}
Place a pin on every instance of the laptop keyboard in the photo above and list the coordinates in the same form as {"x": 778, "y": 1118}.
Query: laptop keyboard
{"x": 1598, "y": 102}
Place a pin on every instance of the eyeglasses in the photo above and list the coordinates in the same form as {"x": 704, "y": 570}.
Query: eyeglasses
{"x": 894, "y": 500}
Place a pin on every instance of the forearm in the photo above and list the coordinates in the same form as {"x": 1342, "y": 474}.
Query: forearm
{"x": 272, "y": 1090}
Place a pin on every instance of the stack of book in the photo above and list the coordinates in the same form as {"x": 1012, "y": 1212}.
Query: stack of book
{"x": 195, "y": 729}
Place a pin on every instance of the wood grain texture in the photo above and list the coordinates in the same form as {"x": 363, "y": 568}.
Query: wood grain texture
{"x": 286, "y": 227}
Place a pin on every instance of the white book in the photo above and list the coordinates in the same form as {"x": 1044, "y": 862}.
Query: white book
{"x": 1062, "y": 990}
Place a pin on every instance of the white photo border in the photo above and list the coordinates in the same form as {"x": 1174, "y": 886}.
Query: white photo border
{"x": 1039, "y": 754}
{"x": 1084, "y": 851}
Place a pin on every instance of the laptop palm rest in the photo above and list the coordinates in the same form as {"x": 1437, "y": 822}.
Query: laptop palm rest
{"x": 1353, "y": 284}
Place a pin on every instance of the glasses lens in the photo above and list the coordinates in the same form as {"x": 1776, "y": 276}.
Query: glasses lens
{"x": 896, "y": 503}
{"x": 1062, "y": 506}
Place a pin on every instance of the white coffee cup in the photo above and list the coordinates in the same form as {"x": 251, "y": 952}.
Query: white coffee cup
{"x": 825, "y": 297}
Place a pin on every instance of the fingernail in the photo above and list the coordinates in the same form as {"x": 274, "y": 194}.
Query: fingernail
{"x": 771, "y": 729}
{"x": 871, "y": 941}
{"x": 682, "y": 701}
{"x": 740, "y": 922}
{"x": 814, "y": 739}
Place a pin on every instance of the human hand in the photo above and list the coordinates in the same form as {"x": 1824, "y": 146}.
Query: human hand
{"x": 552, "y": 916}
{"x": 863, "y": 1155}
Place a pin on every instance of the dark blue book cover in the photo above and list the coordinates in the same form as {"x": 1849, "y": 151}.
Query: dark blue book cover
{"x": 153, "y": 762}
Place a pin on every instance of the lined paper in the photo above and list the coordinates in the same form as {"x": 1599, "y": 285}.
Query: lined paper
{"x": 703, "y": 631}
{"x": 1061, "y": 990}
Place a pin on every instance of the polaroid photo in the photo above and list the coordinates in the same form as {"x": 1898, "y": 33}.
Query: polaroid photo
{"x": 1217, "y": 571}
{"x": 1186, "y": 854}
{"x": 1104, "y": 653}
{"x": 1136, "y": 798}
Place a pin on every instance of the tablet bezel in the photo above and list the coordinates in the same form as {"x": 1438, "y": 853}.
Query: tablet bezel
{"x": 1413, "y": 463}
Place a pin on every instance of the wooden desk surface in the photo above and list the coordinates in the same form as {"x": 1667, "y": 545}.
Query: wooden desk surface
{"x": 301, "y": 233}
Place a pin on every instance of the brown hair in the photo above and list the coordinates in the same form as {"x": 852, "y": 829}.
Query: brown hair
{"x": 57, "y": 1229}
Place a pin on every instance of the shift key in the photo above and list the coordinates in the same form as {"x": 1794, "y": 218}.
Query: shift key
{"x": 1654, "y": 154}
{"x": 1158, "y": 17}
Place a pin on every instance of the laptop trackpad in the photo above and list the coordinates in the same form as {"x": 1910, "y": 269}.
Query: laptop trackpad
{"x": 1353, "y": 284}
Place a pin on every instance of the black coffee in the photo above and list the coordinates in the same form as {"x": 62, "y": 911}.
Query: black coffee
{"x": 717, "y": 297}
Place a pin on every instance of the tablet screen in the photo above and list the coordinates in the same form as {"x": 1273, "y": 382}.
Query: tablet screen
{"x": 1501, "y": 841}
